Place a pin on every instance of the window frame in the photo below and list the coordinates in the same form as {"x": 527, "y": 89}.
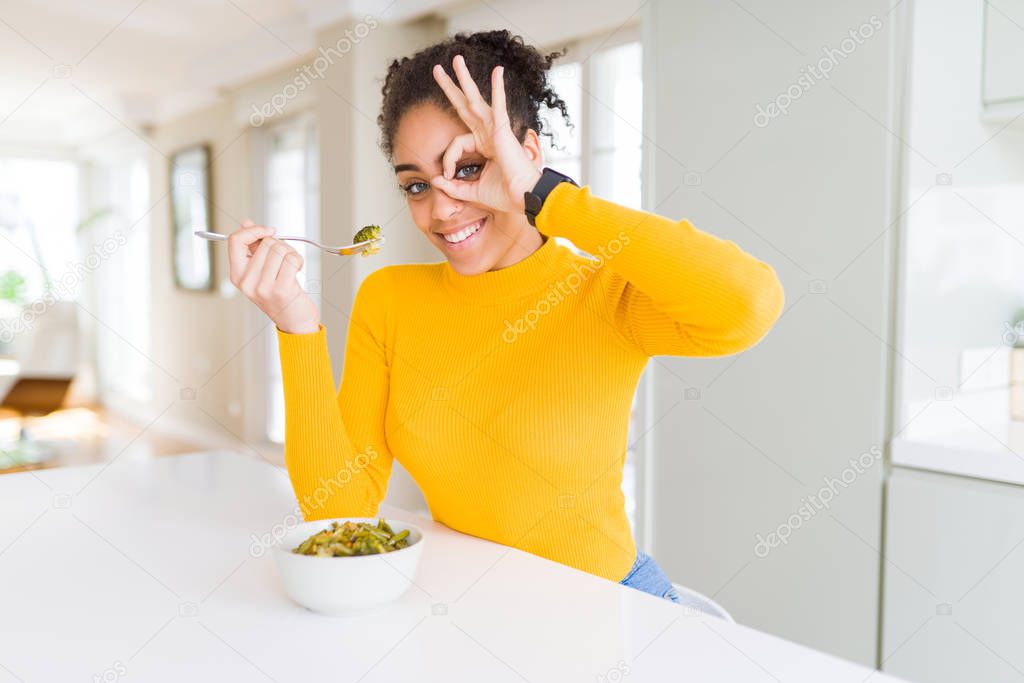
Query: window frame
{"x": 259, "y": 365}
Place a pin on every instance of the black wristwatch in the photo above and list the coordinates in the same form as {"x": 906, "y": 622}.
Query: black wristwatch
{"x": 534, "y": 199}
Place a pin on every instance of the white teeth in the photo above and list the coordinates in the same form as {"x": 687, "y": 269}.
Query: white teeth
{"x": 456, "y": 237}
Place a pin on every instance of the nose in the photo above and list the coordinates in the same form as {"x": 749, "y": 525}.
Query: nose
{"x": 444, "y": 206}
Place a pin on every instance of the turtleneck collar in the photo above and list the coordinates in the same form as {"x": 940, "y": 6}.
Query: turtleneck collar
{"x": 521, "y": 278}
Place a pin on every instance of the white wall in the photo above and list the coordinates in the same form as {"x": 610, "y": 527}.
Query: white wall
{"x": 810, "y": 193}
{"x": 199, "y": 341}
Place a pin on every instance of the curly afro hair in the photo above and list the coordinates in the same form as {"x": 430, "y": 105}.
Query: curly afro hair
{"x": 410, "y": 82}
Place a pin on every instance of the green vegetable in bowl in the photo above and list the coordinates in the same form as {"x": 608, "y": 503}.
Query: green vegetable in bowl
{"x": 369, "y": 232}
{"x": 354, "y": 538}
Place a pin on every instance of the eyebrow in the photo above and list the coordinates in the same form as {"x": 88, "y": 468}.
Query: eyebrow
{"x": 413, "y": 167}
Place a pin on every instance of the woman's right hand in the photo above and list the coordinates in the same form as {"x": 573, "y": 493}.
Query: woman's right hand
{"x": 265, "y": 270}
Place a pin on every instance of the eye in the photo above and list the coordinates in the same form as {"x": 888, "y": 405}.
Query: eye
{"x": 415, "y": 188}
{"x": 468, "y": 172}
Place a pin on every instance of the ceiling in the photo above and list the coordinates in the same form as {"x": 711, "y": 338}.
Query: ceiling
{"x": 72, "y": 71}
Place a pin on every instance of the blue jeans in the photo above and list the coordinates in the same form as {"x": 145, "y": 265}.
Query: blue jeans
{"x": 645, "y": 575}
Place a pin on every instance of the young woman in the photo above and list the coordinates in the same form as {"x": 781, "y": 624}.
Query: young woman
{"x": 502, "y": 377}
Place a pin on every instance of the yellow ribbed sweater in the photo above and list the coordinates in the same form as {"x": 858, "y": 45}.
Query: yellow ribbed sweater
{"x": 506, "y": 395}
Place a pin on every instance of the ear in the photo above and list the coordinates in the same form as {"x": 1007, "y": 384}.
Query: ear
{"x": 531, "y": 144}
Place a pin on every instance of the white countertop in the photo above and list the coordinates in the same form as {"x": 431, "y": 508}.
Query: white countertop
{"x": 993, "y": 451}
{"x": 146, "y": 570}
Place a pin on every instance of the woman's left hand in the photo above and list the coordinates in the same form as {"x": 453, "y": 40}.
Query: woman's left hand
{"x": 509, "y": 171}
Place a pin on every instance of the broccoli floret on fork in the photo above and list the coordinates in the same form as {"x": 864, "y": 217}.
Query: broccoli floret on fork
{"x": 367, "y": 233}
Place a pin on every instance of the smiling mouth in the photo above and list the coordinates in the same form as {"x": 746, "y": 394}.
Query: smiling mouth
{"x": 464, "y": 235}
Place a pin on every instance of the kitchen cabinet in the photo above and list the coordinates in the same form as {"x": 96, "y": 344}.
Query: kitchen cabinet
{"x": 1003, "y": 65}
{"x": 953, "y": 578}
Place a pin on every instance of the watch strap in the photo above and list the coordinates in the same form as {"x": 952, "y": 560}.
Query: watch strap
{"x": 533, "y": 200}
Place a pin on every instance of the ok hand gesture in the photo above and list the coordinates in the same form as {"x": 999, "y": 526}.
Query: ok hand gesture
{"x": 509, "y": 171}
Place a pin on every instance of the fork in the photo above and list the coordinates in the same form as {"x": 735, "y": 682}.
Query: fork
{"x": 346, "y": 250}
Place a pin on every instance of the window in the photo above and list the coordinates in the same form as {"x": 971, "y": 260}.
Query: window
{"x": 565, "y": 151}
{"x": 71, "y": 233}
{"x": 291, "y": 191}
{"x": 117, "y": 229}
{"x": 38, "y": 216}
{"x": 616, "y": 119}
{"x": 601, "y": 82}
{"x": 38, "y": 246}
{"x": 603, "y": 91}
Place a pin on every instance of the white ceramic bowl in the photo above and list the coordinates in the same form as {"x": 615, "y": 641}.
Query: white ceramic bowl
{"x": 346, "y": 585}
